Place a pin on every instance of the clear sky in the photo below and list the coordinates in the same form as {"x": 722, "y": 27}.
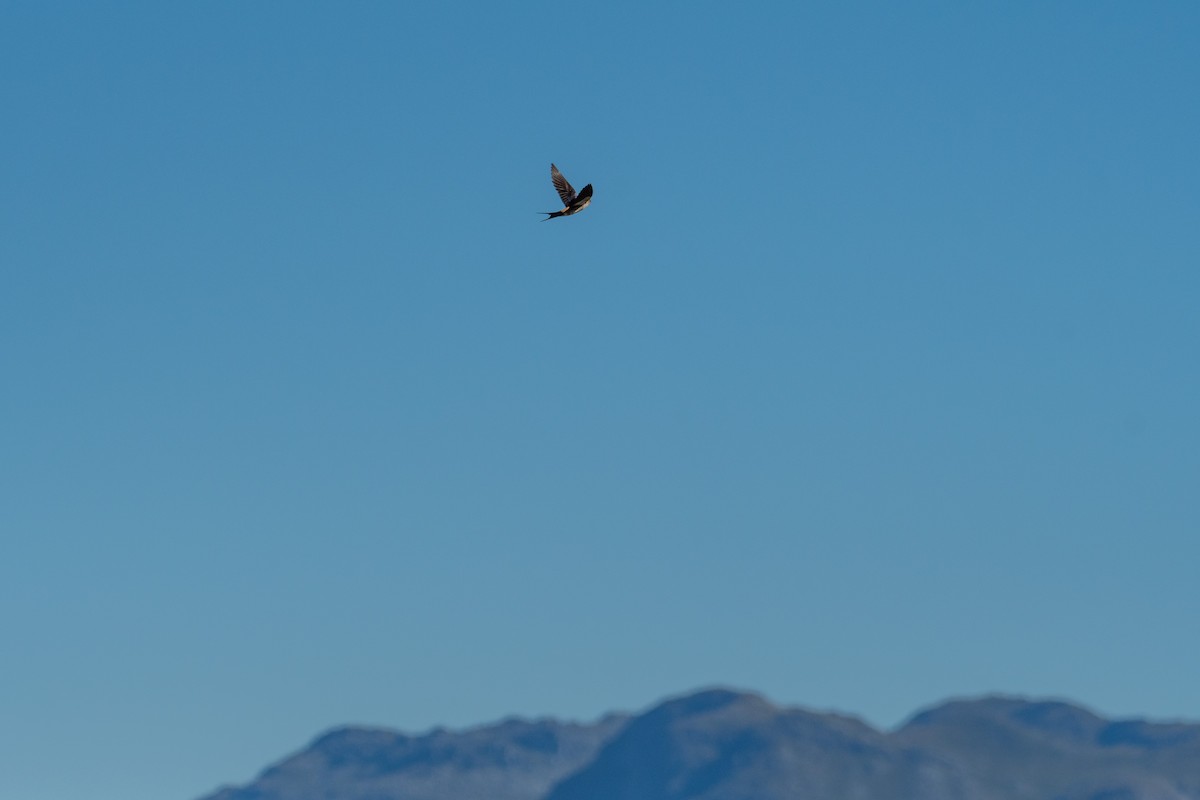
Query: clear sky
{"x": 870, "y": 376}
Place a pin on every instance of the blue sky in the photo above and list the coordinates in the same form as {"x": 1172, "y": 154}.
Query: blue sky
{"x": 868, "y": 378}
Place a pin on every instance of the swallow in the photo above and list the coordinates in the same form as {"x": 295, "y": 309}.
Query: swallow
{"x": 573, "y": 203}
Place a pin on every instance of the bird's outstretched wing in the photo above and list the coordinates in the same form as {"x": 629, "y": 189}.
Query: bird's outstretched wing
{"x": 565, "y": 191}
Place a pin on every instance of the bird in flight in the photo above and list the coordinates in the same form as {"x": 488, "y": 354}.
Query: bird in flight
{"x": 573, "y": 203}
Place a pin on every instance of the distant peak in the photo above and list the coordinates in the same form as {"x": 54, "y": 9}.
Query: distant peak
{"x": 707, "y": 700}
{"x": 1056, "y": 719}
{"x": 355, "y": 735}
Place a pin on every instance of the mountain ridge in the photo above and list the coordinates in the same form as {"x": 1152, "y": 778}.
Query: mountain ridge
{"x": 720, "y": 743}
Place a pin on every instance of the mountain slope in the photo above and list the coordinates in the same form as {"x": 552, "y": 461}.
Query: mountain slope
{"x": 1026, "y": 750}
{"x": 721, "y": 745}
{"x": 512, "y": 760}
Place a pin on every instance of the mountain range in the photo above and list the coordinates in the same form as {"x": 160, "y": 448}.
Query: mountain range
{"x": 720, "y": 744}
